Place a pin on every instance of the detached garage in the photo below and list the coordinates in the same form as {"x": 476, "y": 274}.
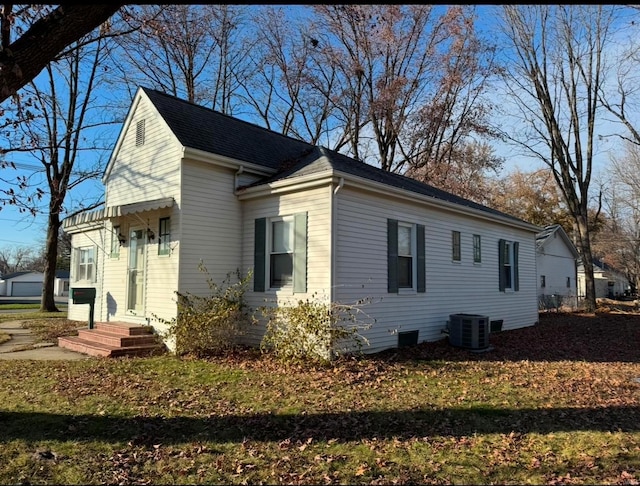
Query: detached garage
{"x": 22, "y": 284}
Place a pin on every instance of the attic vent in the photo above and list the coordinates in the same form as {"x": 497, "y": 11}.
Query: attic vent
{"x": 140, "y": 133}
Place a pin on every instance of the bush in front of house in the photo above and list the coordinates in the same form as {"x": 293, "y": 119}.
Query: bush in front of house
{"x": 211, "y": 325}
{"x": 313, "y": 330}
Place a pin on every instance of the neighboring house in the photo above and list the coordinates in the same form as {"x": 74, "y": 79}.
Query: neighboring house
{"x": 186, "y": 184}
{"x": 556, "y": 264}
{"x": 609, "y": 282}
{"x": 61, "y": 285}
{"x": 22, "y": 284}
{"x": 29, "y": 284}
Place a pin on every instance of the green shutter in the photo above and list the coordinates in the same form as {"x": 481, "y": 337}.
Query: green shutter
{"x": 501, "y": 246}
{"x": 421, "y": 273}
{"x": 300, "y": 253}
{"x": 516, "y": 283}
{"x": 392, "y": 255}
{"x": 259, "y": 254}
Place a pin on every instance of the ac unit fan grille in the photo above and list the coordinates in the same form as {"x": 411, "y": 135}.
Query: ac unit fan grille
{"x": 469, "y": 331}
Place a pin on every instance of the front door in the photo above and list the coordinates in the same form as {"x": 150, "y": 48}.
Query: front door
{"x": 135, "y": 297}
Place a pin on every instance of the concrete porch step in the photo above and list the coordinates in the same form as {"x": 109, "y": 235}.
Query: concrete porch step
{"x": 113, "y": 339}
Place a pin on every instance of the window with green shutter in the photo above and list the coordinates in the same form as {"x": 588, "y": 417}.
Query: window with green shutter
{"x": 280, "y": 253}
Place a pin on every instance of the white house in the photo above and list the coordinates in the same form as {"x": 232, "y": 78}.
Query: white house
{"x": 186, "y": 184}
{"x": 556, "y": 268}
{"x": 29, "y": 284}
{"x": 609, "y": 282}
{"x": 22, "y": 284}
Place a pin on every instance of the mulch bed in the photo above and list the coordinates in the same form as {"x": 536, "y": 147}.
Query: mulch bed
{"x": 604, "y": 336}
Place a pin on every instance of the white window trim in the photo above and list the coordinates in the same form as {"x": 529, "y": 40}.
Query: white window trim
{"x": 269, "y": 236}
{"x": 78, "y": 263}
{"x": 414, "y": 259}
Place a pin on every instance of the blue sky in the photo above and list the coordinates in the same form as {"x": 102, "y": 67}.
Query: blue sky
{"x": 23, "y": 230}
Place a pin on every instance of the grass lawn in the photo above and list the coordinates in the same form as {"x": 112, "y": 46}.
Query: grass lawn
{"x": 557, "y": 403}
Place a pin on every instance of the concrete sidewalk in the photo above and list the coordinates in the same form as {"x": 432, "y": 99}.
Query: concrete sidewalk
{"x": 24, "y": 338}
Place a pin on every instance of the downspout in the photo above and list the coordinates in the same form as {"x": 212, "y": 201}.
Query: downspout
{"x": 334, "y": 238}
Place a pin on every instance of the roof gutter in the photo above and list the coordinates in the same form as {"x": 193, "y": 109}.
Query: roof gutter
{"x": 311, "y": 180}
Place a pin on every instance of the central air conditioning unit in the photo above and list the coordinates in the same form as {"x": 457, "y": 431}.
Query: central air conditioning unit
{"x": 469, "y": 331}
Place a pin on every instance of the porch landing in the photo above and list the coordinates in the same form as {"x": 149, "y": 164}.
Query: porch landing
{"x": 114, "y": 339}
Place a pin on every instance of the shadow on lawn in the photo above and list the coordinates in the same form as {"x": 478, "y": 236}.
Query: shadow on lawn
{"x": 341, "y": 426}
{"x": 606, "y": 337}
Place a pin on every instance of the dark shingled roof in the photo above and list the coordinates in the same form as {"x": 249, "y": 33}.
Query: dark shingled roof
{"x": 208, "y": 130}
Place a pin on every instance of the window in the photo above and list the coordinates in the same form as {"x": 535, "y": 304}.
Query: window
{"x": 164, "y": 236}
{"x": 280, "y": 253}
{"x": 85, "y": 264}
{"x": 477, "y": 253}
{"x": 455, "y": 246}
{"x": 543, "y": 281}
{"x": 140, "y": 133}
{"x": 406, "y": 256}
{"x": 115, "y": 242}
{"x": 508, "y": 265}
{"x": 568, "y": 282}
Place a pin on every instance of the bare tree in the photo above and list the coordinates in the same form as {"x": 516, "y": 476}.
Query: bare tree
{"x": 43, "y": 32}
{"x": 410, "y": 79}
{"x": 196, "y": 52}
{"x": 622, "y": 97}
{"x": 15, "y": 259}
{"x": 619, "y": 242}
{"x": 290, "y": 91}
{"x": 60, "y": 109}
{"x": 554, "y": 78}
{"x": 466, "y": 171}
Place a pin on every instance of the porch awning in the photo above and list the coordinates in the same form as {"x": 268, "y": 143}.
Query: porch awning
{"x": 116, "y": 211}
{"x": 139, "y": 207}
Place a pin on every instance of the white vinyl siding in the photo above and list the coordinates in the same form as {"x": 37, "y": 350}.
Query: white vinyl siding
{"x": 96, "y": 239}
{"x": 211, "y": 226}
{"x": 555, "y": 264}
{"x": 316, "y": 203}
{"x": 144, "y": 172}
{"x": 361, "y": 266}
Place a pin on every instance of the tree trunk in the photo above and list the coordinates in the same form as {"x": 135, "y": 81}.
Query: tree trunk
{"x": 584, "y": 248}
{"x": 48, "y": 303}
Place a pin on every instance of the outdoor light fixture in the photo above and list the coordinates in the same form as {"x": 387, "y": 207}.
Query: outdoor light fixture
{"x": 150, "y": 234}
{"x": 122, "y": 239}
